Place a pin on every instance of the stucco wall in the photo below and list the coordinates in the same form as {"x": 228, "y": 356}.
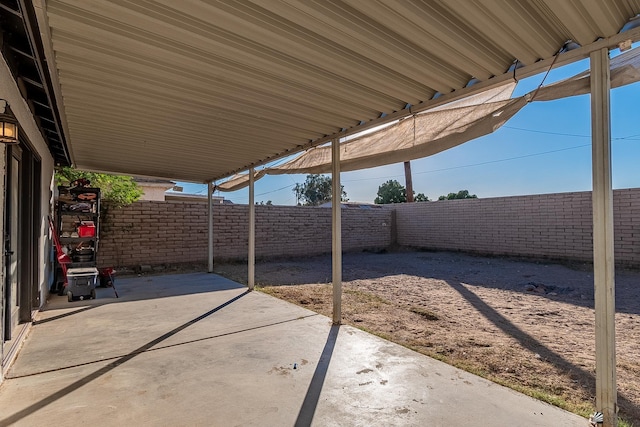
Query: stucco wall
{"x": 9, "y": 91}
{"x": 547, "y": 226}
{"x": 174, "y": 232}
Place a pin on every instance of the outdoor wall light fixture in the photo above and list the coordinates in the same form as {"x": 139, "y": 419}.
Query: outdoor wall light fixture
{"x": 8, "y": 125}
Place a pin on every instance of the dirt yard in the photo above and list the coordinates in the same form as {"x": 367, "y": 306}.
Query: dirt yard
{"x": 527, "y": 325}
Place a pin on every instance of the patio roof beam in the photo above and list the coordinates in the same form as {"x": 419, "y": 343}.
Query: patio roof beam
{"x": 603, "y": 250}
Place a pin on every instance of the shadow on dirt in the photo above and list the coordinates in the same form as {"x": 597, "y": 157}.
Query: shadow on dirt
{"x": 570, "y": 284}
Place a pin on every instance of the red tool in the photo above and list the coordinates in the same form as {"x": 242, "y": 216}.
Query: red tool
{"x": 109, "y": 272}
{"x": 63, "y": 259}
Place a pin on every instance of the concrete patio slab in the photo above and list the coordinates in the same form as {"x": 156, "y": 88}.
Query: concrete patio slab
{"x": 198, "y": 350}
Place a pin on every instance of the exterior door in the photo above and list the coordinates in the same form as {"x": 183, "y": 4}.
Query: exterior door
{"x": 12, "y": 242}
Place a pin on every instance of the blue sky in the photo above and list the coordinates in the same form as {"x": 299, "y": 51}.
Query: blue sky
{"x": 545, "y": 148}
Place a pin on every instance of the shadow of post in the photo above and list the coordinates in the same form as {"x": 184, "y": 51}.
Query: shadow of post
{"x": 83, "y": 381}
{"x": 585, "y": 378}
{"x": 308, "y": 408}
{"x": 61, "y": 316}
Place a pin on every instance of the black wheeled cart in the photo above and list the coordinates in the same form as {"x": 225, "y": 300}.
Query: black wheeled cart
{"x": 81, "y": 283}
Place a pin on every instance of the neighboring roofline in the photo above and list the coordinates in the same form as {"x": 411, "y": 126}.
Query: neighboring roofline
{"x": 141, "y": 180}
{"x": 193, "y": 197}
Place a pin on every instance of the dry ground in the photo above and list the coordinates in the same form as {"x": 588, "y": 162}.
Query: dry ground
{"x": 528, "y": 325}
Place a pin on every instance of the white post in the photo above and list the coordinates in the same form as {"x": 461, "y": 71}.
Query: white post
{"x": 252, "y": 233}
{"x": 336, "y": 235}
{"x": 603, "y": 256}
{"x": 210, "y": 226}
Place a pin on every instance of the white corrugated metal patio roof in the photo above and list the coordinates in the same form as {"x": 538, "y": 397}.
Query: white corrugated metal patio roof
{"x": 196, "y": 90}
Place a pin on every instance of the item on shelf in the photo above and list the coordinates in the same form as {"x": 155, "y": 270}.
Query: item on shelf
{"x": 80, "y": 207}
{"x": 82, "y": 258}
{"x": 83, "y": 253}
{"x": 80, "y": 182}
{"x": 86, "y": 229}
{"x": 86, "y": 196}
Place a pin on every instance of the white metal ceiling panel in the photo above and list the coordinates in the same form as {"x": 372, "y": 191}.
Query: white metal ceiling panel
{"x": 198, "y": 89}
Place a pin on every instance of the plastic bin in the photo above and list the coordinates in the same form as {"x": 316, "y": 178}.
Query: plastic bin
{"x": 81, "y": 283}
{"x": 86, "y": 229}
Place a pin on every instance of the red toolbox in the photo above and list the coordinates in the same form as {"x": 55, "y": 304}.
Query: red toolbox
{"x": 86, "y": 229}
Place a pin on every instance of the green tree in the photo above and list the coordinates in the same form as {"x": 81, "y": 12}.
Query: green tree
{"x": 316, "y": 190}
{"x": 462, "y": 194}
{"x": 391, "y": 192}
{"x": 116, "y": 190}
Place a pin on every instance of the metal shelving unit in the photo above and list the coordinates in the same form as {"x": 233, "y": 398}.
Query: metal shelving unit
{"x": 78, "y": 229}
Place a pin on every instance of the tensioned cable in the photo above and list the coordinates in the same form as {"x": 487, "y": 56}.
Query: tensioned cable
{"x": 545, "y": 76}
{"x": 262, "y": 194}
{"x": 477, "y": 164}
{"x": 619, "y": 138}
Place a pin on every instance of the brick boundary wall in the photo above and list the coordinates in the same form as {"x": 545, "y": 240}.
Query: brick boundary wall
{"x": 554, "y": 226}
{"x": 175, "y": 232}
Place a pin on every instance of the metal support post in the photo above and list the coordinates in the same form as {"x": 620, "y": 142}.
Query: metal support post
{"x": 336, "y": 235}
{"x": 252, "y": 232}
{"x": 210, "y": 225}
{"x": 603, "y": 256}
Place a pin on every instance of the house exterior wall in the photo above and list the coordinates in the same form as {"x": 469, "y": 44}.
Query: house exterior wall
{"x": 9, "y": 91}
{"x": 3, "y": 270}
{"x": 46, "y": 257}
{"x": 152, "y": 192}
{"x": 175, "y": 232}
{"x": 556, "y": 226}
{"x": 153, "y": 189}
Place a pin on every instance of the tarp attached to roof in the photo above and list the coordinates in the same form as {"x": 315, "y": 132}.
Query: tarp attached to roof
{"x": 440, "y": 128}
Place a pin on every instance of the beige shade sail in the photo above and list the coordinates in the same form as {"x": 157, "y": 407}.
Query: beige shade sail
{"x": 440, "y": 128}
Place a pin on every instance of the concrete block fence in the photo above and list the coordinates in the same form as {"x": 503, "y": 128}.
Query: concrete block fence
{"x": 175, "y": 232}
{"x": 553, "y": 226}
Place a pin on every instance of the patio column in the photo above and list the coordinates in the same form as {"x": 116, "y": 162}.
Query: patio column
{"x": 252, "y": 233}
{"x": 210, "y": 225}
{"x": 603, "y": 254}
{"x": 336, "y": 235}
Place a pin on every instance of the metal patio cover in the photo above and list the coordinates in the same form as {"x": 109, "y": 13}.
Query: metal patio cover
{"x": 196, "y": 90}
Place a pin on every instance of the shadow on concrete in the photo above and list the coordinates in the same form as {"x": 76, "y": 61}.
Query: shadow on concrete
{"x": 310, "y": 403}
{"x": 162, "y": 347}
{"x": 61, "y": 316}
{"x": 83, "y": 381}
{"x": 136, "y": 288}
{"x": 585, "y": 378}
